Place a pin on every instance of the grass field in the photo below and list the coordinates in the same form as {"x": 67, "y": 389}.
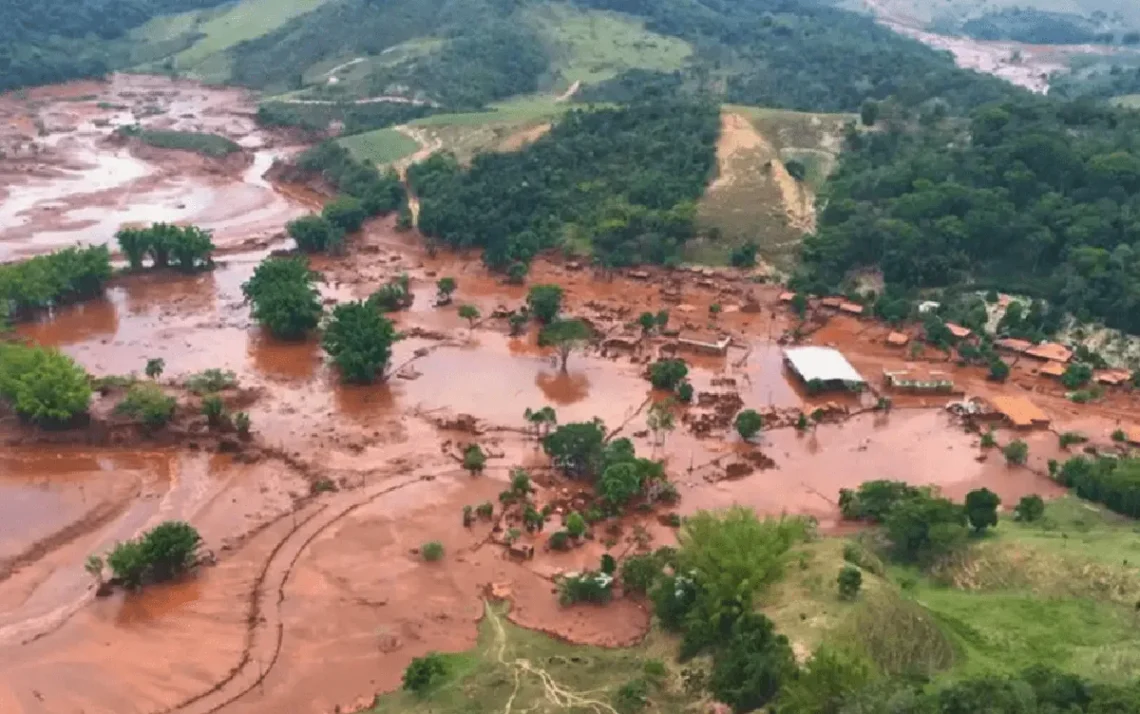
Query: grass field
{"x": 536, "y": 673}
{"x": 382, "y": 146}
{"x": 1062, "y": 591}
{"x": 220, "y": 29}
{"x": 753, "y": 197}
{"x": 501, "y": 128}
{"x": 592, "y": 46}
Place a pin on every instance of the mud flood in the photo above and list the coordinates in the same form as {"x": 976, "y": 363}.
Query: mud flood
{"x": 63, "y": 179}
{"x": 318, "y": 597}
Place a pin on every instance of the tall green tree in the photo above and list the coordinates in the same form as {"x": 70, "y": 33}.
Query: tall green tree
{"x": 359, "y": 340}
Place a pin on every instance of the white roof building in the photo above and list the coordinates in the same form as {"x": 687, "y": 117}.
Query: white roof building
{"x": 822, "y": 363}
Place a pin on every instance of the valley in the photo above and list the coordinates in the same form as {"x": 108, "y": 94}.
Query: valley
{"x": 564, "y": 357}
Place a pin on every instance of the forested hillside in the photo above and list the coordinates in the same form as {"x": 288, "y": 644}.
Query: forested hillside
{"x": 53, "y": 40}
{"x": 618, "y": 183}
{"x": 1034, "y": 195}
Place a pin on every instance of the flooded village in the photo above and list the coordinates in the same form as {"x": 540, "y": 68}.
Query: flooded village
{"x": 316, "y": 597}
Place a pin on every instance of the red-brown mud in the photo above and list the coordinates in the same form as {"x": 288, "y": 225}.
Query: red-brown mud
{"x": 321, "y": 601}
{"x": 64, "y": 181}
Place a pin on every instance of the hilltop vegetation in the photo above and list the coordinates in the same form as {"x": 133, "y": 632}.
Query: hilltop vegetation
{"x": 618, "y": 183}
{"x": 1029, "y": 195}
{"x": 56, "y": 40}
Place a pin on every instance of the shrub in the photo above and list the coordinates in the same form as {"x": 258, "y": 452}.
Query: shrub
{"x": 469, "y": 313}
{"x": 748, "y": 424}
{"x": 1119, "y": 436}
{"x": 1016, "y": 452}
{"x": 164, "y": 552}
{"x": 43, "y": 385}
{"x": 632, "y": 697}
{"x": 314, "y": 234}
{"x": 639, "y": 573}
{"x": 590, "y": 586}
{"x": 242, "y": 424}
{"x": 345, "y": 213}
{"x": 211, "y": 380}
{"x": 155, "y": 367}
{"x": 849, "y": 581}
{"x": 432, "y": 551}
{"x": 926, "y": 528}
{"x": 577, "y": 449}
{"x": 485, "y": 510}
{"x": 393, "y": 296}
{"x": 749, "y": 669}
{"x": 149, "y": 404}
{"x": 1071, "y": 437}
{"x": 609, "y": 565}
{"x": 1076, "y": 375}
{"x": 1029, "y": 509}
{"x": 423, "y": 672}
{"x": 45, "y": 281}
{"x": 545, "y": 302}
{"x": 474, "y": 459}
{"x": 575, "y": 525}
{"x": 666, "y": 374}
{"x": 988, "y": 439}
{"x": 685, "y": 391}
{"x": 214, "y": 409}
{"x": 445, "y": 286}
{"x": 982, "y": 509}
{"x": 560, "y": 540}
{"x": 873, "y": 500}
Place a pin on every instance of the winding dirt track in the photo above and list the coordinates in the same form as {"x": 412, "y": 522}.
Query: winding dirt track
{"x": 266, "y": 630}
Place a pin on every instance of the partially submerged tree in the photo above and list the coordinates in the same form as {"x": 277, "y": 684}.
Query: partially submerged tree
{"x": 577, "y": 449}
{"x": 565, "y": 336}
{"x": 284, "y": 298}
{"x": 42, "y": 384}
{"x": 469, "y": 313}
{"x": 445, "y": 287}
{"x": 155, "y": 366}
{"x": 359, "y": 340}
{"x": 545, "y": 302}
{"x": 314, "y": 234}
{"x": 1016, "y": 452}
{"x": 748, "y": 424}
{"x": 543, "y": 420}
{"x": 666, "y": 374}
{"x": 661, "y": 420}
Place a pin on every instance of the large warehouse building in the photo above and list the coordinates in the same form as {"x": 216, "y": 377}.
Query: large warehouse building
{"x": 822, "y": 365}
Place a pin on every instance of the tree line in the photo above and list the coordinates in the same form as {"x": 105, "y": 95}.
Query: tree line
{"x": 621, "y": 183}
{"x": 1030, "y": 195}
{"x": 47, "y": 281}
{"x": 57, "y": 40}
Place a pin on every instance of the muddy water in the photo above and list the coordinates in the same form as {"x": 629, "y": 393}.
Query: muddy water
{"x": 69, "y": 185}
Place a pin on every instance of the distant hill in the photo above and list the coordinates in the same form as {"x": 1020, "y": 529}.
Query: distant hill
{"x": 461, "y": 54}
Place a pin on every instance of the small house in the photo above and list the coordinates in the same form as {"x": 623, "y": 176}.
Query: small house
{"x": 898, "y": 339}
{"x": 1052, "y": 369}
{"x": 851, "y": 308}
{"x": 932, "y": 382}
{"x": 1112, "y": 377}
{"x": 958, "y": 331}
{"x": 787, "y": 296}
{"x": 832, "y": 303}
{"x": 704, "y": 343}
{"x": 1020, "y": 412}
{"x": 1050, "y": 352}
{"x": 1011, "y": 344}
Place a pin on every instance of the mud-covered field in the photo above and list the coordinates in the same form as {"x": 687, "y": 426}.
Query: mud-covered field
{"x": 319, "y": 599}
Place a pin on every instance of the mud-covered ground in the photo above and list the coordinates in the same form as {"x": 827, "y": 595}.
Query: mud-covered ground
{"x": 320, "y": 600}
{"x": 63, "y": 179}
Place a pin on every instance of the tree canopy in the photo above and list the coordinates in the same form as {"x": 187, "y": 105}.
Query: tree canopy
{"x": 283, "y": 297}
{"x": 359, "y": 340}
{"x": 1030, "y": 195}
{"x": 623, "y": 180}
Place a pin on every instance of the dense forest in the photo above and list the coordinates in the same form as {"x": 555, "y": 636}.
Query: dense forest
{"x": 807, "y": 55}
{"x": 620, "y": 182}
{"x": 55, "y": 40}
{"x": 797, "y": 54}
{"x": 1035, "y": 27}
{"x": 1029, "y": 195}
